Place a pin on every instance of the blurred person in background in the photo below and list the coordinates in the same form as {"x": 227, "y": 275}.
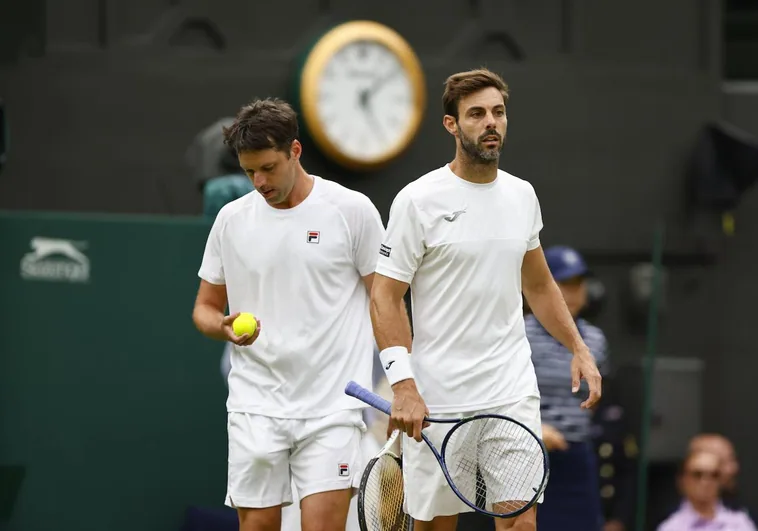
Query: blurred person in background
{"x": 230, "y": 185}
{"x": 730, "y": 466}
{"x": 215, "y": 169}
{"x": 699, "y": 482}
{"x": 572, "y": 498}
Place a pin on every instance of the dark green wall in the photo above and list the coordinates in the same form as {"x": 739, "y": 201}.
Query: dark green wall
{"x": 109, "y": 398}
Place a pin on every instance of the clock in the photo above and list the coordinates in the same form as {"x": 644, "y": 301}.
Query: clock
{"x": 361, "y": 94}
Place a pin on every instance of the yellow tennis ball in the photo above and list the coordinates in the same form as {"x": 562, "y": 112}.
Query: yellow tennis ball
{"x": 244, "y": 324}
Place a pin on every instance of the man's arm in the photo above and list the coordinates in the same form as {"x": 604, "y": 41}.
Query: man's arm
{"x": 208, "y": 314}
{"x": 392, "y": 330}
{"x": 546, "y": 302}
{"x": 210, "y": 302}
{"x": 389, "y": 314}
{"x": 368, "y": 281}
{"x": 210, "y": 319}
{"x": 400, "y": 255}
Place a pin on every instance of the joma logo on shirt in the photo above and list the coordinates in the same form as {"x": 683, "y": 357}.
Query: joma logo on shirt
{"x": 452, "y": 217}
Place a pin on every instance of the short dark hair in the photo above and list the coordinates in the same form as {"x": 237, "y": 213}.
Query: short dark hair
{"x": 268, "y": 123}
{"x": 463, "y": 84}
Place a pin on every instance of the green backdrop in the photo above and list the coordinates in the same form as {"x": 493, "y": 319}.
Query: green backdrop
{"x": 112, "y": 411}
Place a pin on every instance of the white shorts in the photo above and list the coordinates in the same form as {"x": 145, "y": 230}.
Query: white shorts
{"x": 267, "y": 454}
{"x": 427, "y": 493}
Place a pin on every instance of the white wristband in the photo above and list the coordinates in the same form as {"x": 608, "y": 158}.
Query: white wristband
{"x": 396, "y": 363}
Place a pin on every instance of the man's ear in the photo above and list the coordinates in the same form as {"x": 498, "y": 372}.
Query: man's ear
{"x": 296, "y": 149}
{"x": 451, "y": 124}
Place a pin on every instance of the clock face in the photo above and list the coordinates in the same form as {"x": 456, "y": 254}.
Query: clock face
{"x": 365, "y": 100}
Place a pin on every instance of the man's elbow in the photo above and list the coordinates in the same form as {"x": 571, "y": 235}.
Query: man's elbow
{"x": 382, "y": 294}
{"x": 201, "y": 316}
{"x": 533, "y": 291}
{"x": 377, "y": 298}
{"x": 196, "y": 317}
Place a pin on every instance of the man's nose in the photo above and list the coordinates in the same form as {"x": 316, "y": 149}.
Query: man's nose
{"x": 491, "y": 123}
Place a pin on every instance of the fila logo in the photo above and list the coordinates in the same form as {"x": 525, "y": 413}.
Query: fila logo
{"x": 344, "y": 470}
{"x": 313, "y": 236}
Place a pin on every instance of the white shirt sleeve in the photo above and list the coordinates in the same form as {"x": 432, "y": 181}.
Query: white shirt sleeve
{"x": 368, "y": 233}
{"x": 212, "y": 267}
{"x": 403, "y": 249}
{"x": 536, "y": 226}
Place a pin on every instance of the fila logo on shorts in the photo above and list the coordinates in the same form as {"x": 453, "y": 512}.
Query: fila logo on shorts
{"x": 313, "y": 236}
{"x": 344, "y": 470}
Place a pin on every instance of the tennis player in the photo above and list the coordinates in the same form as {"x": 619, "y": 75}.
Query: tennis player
{"x": 299, "y": 252}
{"x": 465, "y": 238}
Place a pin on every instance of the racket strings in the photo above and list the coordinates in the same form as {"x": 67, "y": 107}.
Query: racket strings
{"x": 383, "y": 496}
{"x": 495, "y": 464}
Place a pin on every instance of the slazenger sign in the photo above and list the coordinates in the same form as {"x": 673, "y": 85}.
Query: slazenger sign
{"x": 55, "y": 260}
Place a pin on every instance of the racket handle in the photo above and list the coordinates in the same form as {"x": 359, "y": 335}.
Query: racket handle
{"x": 366, "y": 396}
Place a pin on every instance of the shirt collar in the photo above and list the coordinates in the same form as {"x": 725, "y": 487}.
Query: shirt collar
{"x": 720, "y": 517}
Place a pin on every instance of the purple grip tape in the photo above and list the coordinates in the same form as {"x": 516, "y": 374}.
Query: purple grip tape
{"x": 366, "y": 396}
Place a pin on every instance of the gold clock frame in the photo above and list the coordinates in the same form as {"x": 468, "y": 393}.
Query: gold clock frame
{"x": 317, "y": 60}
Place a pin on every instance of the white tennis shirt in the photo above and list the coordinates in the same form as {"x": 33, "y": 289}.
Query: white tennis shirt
{"x": 460, "y": 246}
{"x": 298, "y": 270}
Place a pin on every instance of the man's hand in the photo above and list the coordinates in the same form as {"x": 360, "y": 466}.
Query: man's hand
{"x": 553, "y": 439}
{"x": 245, "y": 339}
{"x": 408, "y": 409}
{"x": 583, "y": 366}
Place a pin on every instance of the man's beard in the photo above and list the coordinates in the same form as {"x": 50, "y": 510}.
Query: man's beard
{"x": 476, "y": 150}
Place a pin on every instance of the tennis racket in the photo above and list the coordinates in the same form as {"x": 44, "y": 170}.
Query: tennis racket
{"x": 493, "y": 463}
{"x": 381, "y": 492}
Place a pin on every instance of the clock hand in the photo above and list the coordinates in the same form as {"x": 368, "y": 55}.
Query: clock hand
{"x": 363, "y": 99}
{"x": 374, "y": 122}
{"x": 380, "y": 82}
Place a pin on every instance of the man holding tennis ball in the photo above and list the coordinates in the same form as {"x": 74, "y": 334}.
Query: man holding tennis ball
{"x": 245, "y": 324}
{"x": 465, "y": 239}
{"x": 299, "y": 253}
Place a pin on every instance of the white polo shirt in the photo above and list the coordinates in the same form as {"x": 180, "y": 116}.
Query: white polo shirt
{"x": 298, "y": 270}
{"x": 460, "y": 246}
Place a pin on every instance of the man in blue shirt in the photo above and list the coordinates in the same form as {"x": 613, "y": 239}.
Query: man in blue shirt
{"x": 572, "y": 499}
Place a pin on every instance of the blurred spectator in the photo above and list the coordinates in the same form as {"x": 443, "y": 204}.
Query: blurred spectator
{"x": 572, "y": 498}
{"x": 701, "y": 508}
{"x": 215, "y": 169}
{"x": 730, "y": 467}
{"x": 223, "y": 189}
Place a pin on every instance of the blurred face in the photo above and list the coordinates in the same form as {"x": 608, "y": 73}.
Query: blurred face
{"x": 574, "y": 293}
{"x": 725, "y": 451}
{"x": 272, "y": 172}
{"x": 700, "y": 479}
{"x": 481, "y": 125}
